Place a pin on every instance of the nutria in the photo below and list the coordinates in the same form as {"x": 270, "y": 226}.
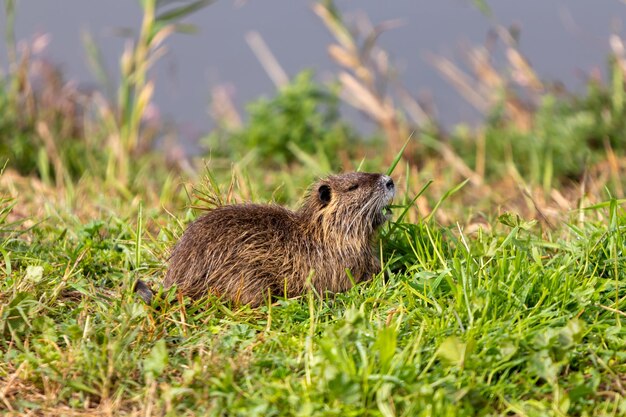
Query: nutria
{"x": 246, "y": 252}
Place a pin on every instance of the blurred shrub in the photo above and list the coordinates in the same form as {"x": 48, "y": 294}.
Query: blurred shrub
{"x": 566, "y": 136}
{"x": 16, "y": 145}
{"x": 303, "y": 113}
{"x": 41, "y": 122}
{"x": 556, "y": 145}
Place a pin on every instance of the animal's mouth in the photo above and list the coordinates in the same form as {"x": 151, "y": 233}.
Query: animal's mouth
{"x": 386, "y": 210}
{"x": 383, "y": 215}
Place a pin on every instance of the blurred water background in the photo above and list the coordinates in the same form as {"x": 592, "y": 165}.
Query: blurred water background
{"x": 564, "y": 40}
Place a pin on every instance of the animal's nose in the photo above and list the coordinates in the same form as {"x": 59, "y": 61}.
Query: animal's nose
{"x": 388, "y": 183}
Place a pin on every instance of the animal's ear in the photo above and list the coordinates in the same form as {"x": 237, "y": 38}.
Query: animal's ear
{"x": 324, "y": 193}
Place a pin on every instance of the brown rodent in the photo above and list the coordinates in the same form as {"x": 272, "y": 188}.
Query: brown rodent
{"x": 246, "y": 252}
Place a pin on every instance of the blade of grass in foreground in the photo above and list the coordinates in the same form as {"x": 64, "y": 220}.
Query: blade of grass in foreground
{"x": 398, "y": 157}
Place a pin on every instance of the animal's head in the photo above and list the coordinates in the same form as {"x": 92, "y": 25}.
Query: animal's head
{"x": 351, "y": 202}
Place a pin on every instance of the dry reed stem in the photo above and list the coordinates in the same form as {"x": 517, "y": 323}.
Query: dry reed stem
{"x": 53, "y": 153}
{"x": 464, "y": 84}
{"x": 486, "y": 87}
{"x": 223, "y": 108}
{"x": 363, "y": 67}
{"x": 267, "y": 59}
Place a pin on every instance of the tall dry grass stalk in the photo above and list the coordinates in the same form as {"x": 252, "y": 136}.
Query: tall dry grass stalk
{"x": 136, "y": 89}
{"x": 366, "y": 73}
{"x": 484, "y": 86}
{"x": 134, "y": 94}
{"x": 366, "y": 78}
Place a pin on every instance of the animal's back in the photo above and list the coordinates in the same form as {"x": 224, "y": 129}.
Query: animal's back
{"x": 235, "y": 251}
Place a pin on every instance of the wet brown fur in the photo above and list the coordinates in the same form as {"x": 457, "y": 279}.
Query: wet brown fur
{"x": 246, "y": 252}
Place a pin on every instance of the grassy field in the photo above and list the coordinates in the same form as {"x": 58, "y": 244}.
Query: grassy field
{"x": 507, "y": 319}
{"x": 503, "y": 291}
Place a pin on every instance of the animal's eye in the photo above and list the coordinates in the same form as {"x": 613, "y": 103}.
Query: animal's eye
{"x": 353, "y": 187}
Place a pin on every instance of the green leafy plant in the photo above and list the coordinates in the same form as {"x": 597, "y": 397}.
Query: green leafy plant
{"x": 302, "y": 118}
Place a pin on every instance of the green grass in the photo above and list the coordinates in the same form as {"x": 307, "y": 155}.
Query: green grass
{"x": 512, "y": 321}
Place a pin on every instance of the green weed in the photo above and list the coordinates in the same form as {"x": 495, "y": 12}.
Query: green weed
{"x": 301, "y": 123}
